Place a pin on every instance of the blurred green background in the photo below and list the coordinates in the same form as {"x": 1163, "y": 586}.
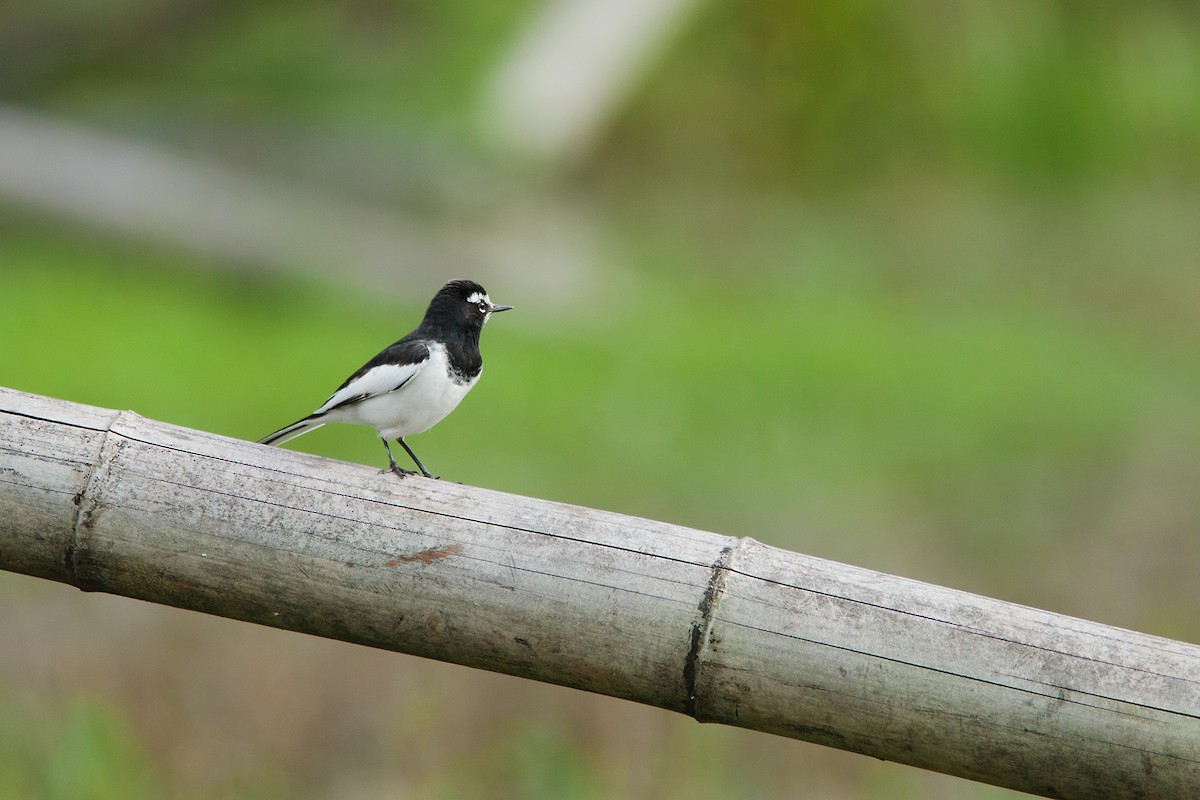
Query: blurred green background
{"x": 908, "y": 285}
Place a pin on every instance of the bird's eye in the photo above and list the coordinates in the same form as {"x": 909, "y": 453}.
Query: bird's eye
{"x": 482, "y": 308}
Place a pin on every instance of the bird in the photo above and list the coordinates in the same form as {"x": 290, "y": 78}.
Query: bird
{"x": 415, "y": 382}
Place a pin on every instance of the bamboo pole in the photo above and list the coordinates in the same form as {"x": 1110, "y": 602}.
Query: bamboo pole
{"x": 725, "y": 630}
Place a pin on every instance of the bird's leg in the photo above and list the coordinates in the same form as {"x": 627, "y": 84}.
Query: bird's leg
{"x": 413, "y": 455}
{"x": 394, "y": 468}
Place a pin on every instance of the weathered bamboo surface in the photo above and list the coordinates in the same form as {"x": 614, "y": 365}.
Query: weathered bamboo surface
{"x": 726, "y": 630}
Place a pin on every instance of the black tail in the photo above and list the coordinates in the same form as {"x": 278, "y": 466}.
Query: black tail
{"x": 298, "y": 428}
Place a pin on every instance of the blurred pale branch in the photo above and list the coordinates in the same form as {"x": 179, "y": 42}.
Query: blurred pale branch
{"x": 236, "y": 218}
{"x": 566, "y": 75}
{"x": 725, "y": 630}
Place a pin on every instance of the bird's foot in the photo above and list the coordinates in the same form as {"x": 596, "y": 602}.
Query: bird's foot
{"x": 397, "y": 471}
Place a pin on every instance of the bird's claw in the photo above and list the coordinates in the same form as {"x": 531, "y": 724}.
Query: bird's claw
{"x": 397, "y": 471}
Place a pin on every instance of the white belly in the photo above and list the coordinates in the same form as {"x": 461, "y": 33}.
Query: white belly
{"x": 416, "y": 406}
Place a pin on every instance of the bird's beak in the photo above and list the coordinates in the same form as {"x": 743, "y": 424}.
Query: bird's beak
{"x": 498, "y": 309}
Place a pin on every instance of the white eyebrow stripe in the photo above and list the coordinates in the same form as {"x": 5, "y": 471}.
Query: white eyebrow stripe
{"x": 477, "y": 296}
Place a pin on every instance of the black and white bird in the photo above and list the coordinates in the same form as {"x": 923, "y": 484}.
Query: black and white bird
{"x": 414, "y": 383}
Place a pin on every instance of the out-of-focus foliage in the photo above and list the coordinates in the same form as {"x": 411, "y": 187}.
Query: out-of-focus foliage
{"x": 788, "y": 95}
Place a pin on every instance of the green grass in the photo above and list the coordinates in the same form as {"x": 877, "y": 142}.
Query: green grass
{"x": 88, "y": 752}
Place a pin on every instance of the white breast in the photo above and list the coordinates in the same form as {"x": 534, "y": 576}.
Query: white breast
{"x": 417, "y": 406}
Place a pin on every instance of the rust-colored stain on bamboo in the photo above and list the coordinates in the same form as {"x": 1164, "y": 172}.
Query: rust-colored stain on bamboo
{"x": 427, "y": 556}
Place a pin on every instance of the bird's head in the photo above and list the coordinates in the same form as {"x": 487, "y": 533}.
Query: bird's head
{"x": 462, "y": 305}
